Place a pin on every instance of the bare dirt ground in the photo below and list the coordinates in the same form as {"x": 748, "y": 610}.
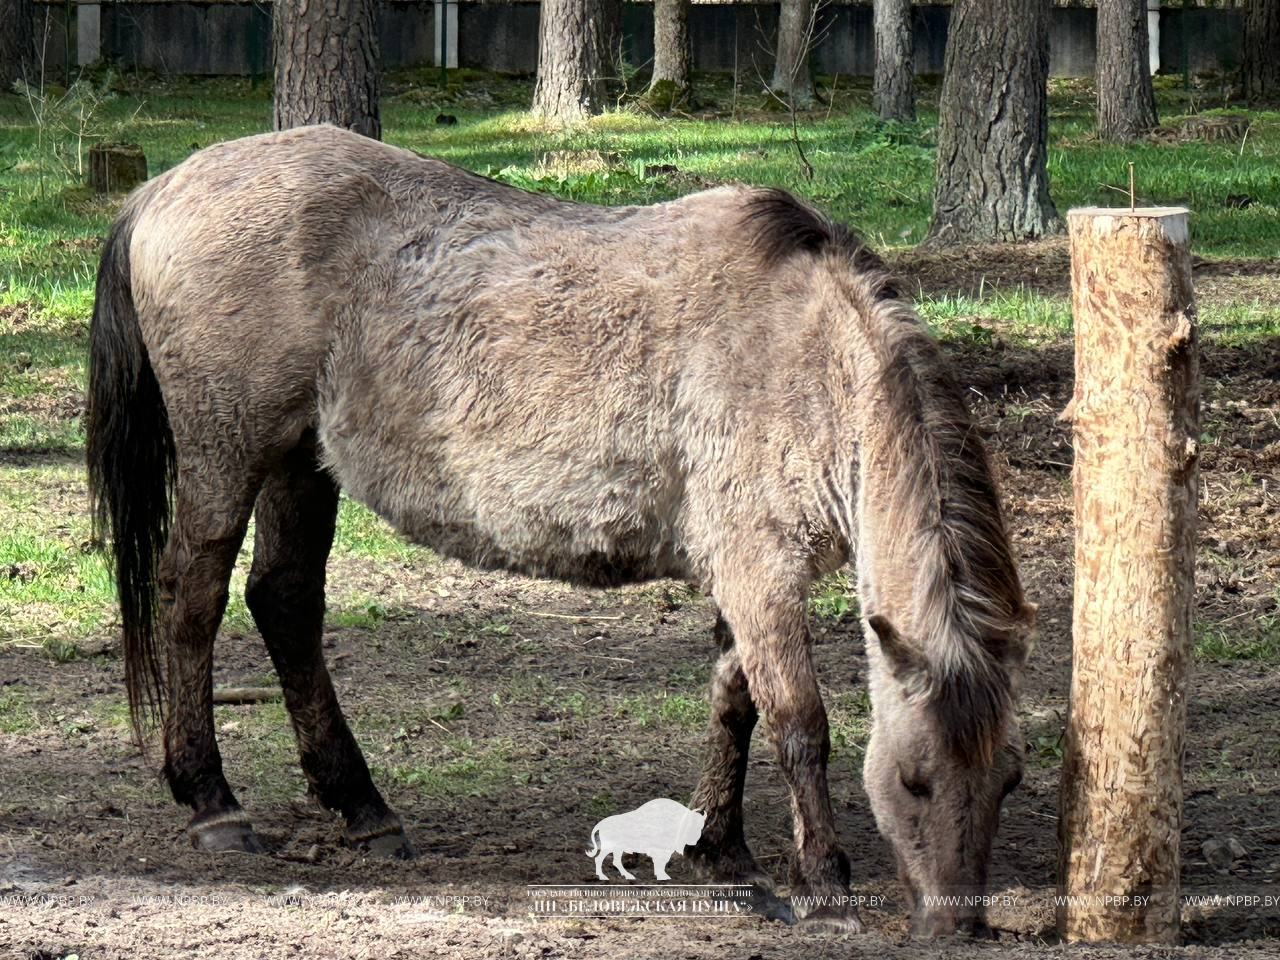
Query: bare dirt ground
{"x": 505, "y": 716}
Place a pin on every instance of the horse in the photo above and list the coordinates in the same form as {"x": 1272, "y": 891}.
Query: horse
{"x": 728, "y": 389}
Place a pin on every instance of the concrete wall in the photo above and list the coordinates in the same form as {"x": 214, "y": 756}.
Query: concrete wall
{"x": 235, "y": 37}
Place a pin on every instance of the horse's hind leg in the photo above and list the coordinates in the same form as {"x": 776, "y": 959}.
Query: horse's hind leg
{"x": 208, "y": 527}
{"x": 295, "y": 520}
{"x": 764, "y": 605}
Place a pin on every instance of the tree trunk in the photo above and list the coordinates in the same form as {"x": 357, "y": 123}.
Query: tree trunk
{"x": 1135, "y": 417}
{"x": 1262, "y": 51}
{"x": 577, "y": 44}
{"x": 326, "y": 64}
{"x": 670, "y": 84}
{"x": 1126, "y": 101}
{"x": 893, "y": 96}
{"x": 17, "y": 44}
{"x": 993, "y": 124}
{"x": 792, "y": 81}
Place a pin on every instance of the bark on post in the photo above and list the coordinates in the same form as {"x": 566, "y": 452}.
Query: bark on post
{"x": 1126, "y": 99}
{"x": 669, "y": 86}
{"x": 893, "y": 95}
{"x": 1136, "y": 418}
{"x": 326, "y": 55}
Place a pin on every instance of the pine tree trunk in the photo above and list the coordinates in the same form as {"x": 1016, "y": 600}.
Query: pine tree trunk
{"x": 893, "y": 96}
{"x": 577, "y": 44}
{"x": 1126, "y": 101}
{"x": 17, "y": 44}
{"x": 993, "y": 124}
{"x": 1135, "y": 418}
{"x": 326, "y": 54}
{"x": 670, "y": 84}
{"x": 1262, "y": 51}
{"x": 792, "y": 81}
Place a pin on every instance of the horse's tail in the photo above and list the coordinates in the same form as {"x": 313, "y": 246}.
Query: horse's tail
{"x": 132, "y": 466}
{"x": 595, "y": 840}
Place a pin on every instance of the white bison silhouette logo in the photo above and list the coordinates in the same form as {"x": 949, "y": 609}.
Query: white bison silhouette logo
{"x": 659, "y": 829}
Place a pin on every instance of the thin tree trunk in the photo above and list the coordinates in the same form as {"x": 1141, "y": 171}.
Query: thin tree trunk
{"x": 1126, "y": 101}
{"x": 1262, "y": 51}
{"x": 577, "y": 43}
{"x": 893, "y": 96}
{"x": 670, "y": 84}
{"x": 17, "y": 44}
{"x": 792, "y": 81}
{"x": 326, "y": 64}
{"x": 1135, "y": 418}
{"x": 993, "y": 124}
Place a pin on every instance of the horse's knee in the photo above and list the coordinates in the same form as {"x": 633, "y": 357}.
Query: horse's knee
{"x": 259, "y": 595}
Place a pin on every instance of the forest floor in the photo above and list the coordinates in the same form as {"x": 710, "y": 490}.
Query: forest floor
{"x": 504, "y": 716}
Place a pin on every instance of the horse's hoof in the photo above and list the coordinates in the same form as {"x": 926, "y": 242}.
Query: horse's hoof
{"x": 736, "y": 867}
{"x": 390, "y": 845}
{"x": 226, "y": 833}
{"x": 767, "y": 904}
{"x": 832, "y": 920}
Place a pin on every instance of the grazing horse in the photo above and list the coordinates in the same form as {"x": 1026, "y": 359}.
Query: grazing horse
{"x": 725, "y": 389}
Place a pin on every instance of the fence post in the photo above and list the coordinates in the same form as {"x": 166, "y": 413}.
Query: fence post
{"x": 1135, "y": 414}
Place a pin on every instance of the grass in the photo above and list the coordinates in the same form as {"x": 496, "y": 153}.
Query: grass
{"x": 874, "y": 175}
{"x": 1257, "y": 641}
{"x": 832, "y": 597}
{"x": 55, "y": 590}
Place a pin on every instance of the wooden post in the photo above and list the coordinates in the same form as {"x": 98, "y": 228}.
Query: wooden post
{"x": 116, "y": 167}
{"x": 1136, "y": 419}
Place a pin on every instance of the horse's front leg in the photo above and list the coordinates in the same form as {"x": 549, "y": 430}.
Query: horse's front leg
{"x": 765, "y": 608}
{"x": 721, "y": 854}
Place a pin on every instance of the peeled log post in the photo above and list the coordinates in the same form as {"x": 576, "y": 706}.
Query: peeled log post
{"x": 1136, "y": 418}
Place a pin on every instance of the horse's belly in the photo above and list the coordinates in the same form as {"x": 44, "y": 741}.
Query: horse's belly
{"x": 536, "y": 515}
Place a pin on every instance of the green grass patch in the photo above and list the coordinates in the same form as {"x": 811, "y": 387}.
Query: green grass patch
{"x": 16, "y": 715}
{"x": 833, "y": 597}
{"x": 362, "y": 533}
{"x": 1258, "y": 641}
{"x": 461, "y": 768}
{"x": 55, "y": 585}
{"x": 849, "y": 719}
{"x": 678, "y": 711}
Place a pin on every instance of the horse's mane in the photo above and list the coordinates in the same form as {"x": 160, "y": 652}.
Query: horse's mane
{"x": 970, "y": 615}
{"x": 780, "y": 226}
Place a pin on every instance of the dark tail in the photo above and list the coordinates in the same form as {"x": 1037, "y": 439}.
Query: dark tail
{"x": 132, "y": 467}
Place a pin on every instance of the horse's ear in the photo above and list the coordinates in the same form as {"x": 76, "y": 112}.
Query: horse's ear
{"x": 1022, "y": 643}
{"x": 1027, "y": 615}
{"x": 908, "y": 666}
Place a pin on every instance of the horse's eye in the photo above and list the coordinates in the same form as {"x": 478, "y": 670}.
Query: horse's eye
{"x": 915, "y": 786}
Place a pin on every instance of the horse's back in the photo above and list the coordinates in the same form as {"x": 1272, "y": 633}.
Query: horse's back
{"x": 243, "y": 259}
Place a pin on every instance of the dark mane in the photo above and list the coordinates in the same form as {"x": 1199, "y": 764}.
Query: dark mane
{"x": 970, "y": 608}
{"x": 781, "y": 226}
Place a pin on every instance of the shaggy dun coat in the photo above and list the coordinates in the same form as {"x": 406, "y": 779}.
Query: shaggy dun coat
{"x": 724, "y": 389}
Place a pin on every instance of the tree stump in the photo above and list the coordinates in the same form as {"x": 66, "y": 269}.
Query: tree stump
{"x": 115, "y": 167}
{"x": 1135, "y": 414}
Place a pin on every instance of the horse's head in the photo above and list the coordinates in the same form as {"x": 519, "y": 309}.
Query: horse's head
{"x": 945, "y": 751}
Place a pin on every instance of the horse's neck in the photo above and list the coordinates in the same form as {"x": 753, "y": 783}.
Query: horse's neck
{"x": 886, "y": 537}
